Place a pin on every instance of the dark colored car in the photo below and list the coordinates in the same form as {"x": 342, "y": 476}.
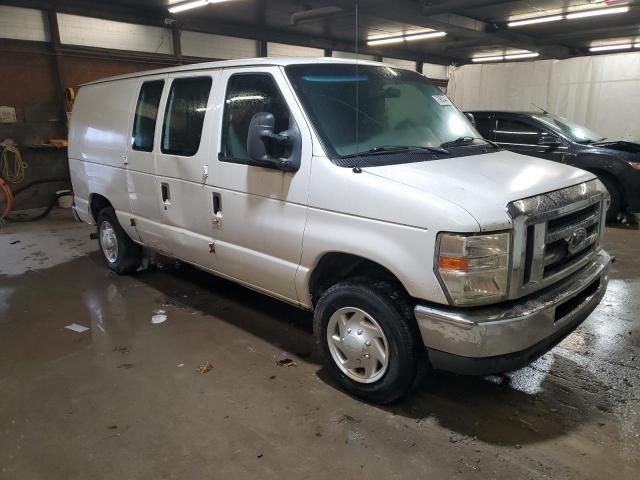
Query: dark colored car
{"x": 541, "y": 134}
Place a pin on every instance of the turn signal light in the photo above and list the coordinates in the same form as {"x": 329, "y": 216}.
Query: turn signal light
{"x": 460, "y": 264}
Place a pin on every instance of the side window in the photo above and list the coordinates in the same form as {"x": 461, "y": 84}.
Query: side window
{"x": 184, "y": 116}
{"x": 485, "y": 126}
{"x": 144, "y": 122}
{"x": 517, "y": 132}
{"x": 248, "y": 94}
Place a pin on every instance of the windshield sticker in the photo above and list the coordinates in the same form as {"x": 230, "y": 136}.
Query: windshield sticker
{"x": 442, "y": 100}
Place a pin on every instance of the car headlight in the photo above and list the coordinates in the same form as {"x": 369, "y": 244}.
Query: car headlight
{"x": 474, "y": 269}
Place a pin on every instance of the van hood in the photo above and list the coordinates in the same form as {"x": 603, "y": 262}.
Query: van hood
{"x": 484, "y": 184}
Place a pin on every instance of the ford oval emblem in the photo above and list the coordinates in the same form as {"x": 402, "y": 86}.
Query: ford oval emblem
{"x": 576, "y": 239}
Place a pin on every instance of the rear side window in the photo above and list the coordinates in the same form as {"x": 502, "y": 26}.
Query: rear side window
{"x": 144, "y": 123}
{"x": 184, "y": 116}
{"x": 248, "y": 94}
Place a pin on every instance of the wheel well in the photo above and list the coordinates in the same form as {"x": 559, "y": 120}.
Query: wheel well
{"x": 98, "y": 203}
{"x": 614, "y": 180}
{"x": 335, "y": 267}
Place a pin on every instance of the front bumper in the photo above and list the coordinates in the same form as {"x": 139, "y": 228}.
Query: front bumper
{"x": 510, "y": 335}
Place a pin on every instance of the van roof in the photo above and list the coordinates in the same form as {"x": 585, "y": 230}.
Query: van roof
{"x": 245, "y": 62}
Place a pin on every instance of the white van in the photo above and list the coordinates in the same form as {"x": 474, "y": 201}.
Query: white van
{"x": 352, "y": 189}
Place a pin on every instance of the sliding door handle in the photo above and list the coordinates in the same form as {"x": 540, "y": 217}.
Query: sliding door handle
{"x": 166, "y": 193}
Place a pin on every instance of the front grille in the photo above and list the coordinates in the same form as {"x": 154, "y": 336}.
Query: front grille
{"x": 562, "y": 247}
{"x": 555, "y": 235}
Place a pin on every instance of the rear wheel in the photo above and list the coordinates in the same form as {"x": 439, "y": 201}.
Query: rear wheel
{"x": 616, "y": 198}
{"x": 121, "y": 254}
{"x": 369, "y": 341}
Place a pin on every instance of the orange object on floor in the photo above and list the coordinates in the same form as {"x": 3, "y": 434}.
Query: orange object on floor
{"x": 6, "y": 199}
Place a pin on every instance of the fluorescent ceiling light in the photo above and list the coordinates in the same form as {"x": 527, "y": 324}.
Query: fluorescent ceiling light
{"x": 594, "y": 13}
{"x": 384, "y": 41}
{"x": 509, "y": 56}
{"x": 398, "y": 38}
{"x": 531, "y": 21}
{"x": 606, "y": 48}
{"x": 515, "y": 56}
{"x": 495, "y": 58}
{"x": 637, "y": 45}
{"x": 188, "y": 5}
{"x": 568, "y": 16}
{"x": 424, "y": 36}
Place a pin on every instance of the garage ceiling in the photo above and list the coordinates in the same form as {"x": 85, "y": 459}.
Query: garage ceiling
{"x": 474, "y": 27}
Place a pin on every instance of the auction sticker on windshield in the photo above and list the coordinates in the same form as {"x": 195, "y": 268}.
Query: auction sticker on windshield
{"x": 441, "y": 99}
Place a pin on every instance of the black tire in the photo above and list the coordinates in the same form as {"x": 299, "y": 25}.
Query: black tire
{"x": 616, "y": 198}
{"x": 406, "y": 353}
{"x": 128, "y": 254}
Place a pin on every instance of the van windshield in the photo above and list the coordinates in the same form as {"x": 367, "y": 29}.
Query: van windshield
{"x": 360, "y": 109}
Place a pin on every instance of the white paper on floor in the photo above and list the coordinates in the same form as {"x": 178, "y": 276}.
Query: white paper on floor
{"x": 158, "y": 316}
{"x": 77, "y": 328}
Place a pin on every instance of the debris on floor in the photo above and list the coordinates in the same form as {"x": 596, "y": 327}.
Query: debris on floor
{"x": 14, "y": 242}
{"x": 204, "y": 368}
{"x": 180, "y": 365}
{"x": 158, "y": 316}
{"x": 120, "y": 349}
{"x": 126, "y": 366}
{"x": 77, "y": 328}
{"x": 287, "y": 362}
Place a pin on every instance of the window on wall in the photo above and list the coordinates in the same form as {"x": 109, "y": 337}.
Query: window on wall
{"x": 144, "y": 122}
{"x": 184, "y": 115}
{"x": 246, "y": 96}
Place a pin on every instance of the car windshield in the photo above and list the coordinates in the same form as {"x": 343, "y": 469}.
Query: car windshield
{"x": 360, "y": 109}
{"x": 575, "y": 132}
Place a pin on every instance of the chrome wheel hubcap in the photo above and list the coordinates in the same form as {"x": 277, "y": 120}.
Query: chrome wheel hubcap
{"x": 358, "y": 345}
{"x": 108, "y": 241}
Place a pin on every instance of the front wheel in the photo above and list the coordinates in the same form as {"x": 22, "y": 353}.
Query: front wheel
{"x": 369, "y": 341}
{"x": 616, "y": 198}
{"x": 121, "y": 254}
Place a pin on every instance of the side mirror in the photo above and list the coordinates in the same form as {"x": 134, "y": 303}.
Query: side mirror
{"x": 549, "y": 141}
{"x": 471, "y": 118}
{"x": 262, "y": 142}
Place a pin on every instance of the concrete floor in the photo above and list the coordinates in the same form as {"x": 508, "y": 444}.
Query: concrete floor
{"x": 124, "y": 400}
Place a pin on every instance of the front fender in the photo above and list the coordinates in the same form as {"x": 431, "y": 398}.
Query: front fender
{"x": 407, "y": 252}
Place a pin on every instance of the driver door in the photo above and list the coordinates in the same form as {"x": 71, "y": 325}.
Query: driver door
{"x": 528, "y": 139}
{"x": 257, "y": 214}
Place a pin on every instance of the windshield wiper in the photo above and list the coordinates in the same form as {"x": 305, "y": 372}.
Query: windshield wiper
{"x": 396, "y": 148}
{"x": 461, "y": 141}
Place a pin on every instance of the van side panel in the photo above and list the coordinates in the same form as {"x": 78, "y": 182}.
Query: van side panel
{"x": 99, "y": 132}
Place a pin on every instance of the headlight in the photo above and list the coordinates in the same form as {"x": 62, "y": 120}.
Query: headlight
{"x": 474, "y": 269}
